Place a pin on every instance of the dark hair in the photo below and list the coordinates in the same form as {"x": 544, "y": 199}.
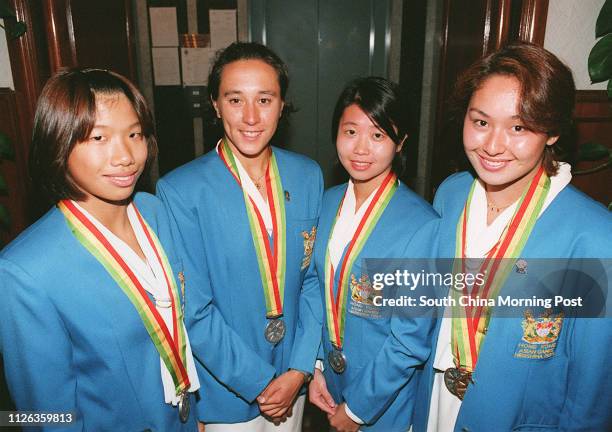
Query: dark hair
{"x": 547, "y": 90}
{"x": 248, "y": 51}
{"x": 66, "y": 115}
{"x": 379, "y": 99}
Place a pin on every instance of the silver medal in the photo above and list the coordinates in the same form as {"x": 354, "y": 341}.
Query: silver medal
{"x": 275, "y": 331}
{"x": 337, "y": 360}
{"x": 183, "y": 407}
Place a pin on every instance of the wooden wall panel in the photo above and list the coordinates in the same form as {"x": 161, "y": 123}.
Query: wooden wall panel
{"x": 14, "y": 172}
{"x": 593, "y": 118}
{"x": 90, "y": 34}
{"x": 472, "y": 28}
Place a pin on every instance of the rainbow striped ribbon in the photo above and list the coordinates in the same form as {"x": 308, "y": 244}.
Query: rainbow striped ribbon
{"x": 469, "y": 324}
{"x": 171, "y": 348}
{"x": 271, "y": 261}
{"x": 336, "y": 307}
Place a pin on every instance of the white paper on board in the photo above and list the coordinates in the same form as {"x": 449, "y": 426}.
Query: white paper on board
{"x": 222, "y": 27}
{"x": 166, "y": 70}
{"x": 196, "y": 63}
{"x": 164, "y": 28}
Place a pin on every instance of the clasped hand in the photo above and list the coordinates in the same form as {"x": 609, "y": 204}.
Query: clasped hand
{"x": 276, "y": 401}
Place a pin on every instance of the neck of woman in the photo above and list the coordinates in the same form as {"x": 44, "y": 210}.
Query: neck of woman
{"x": 500, "y": 197}
{"x": 110, "y": 214}
{"x": 254, "y": 165}
{"x": 364, "y": 188}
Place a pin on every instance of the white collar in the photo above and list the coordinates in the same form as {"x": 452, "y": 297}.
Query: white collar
{"x": 482, "y": 237}
{"x": 347, "y": 223}
{"x": 249, "y": 186}
{"x": 151, "y": 276}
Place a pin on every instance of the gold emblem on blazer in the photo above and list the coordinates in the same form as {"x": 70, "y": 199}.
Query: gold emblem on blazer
{"x": 361, "y": 290}
{"x": 309, "y": 239}
{"x": 540, "y": 335}
{"x": 542, "y": 330}
{"x": 362, "y": 298}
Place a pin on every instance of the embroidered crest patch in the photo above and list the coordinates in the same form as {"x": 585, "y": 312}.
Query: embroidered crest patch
{"x": 362, "y": 298}
{"x": 309, "y": 239}
{"x": 540, "y": 335}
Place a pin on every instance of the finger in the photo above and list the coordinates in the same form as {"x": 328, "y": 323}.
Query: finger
{"x": 279, "y": 412}
{"x": 273, "y": 401}
{"x": 328, "y": 398}
{"x": 325, "y": 407}
{"x": 319, "y": 402}
{"x": 269, "y": 408}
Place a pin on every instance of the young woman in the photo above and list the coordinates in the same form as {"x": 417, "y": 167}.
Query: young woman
{"x": 496, "y": 374}
{"x": 246, "y": 214}
{"x": 369, "y": 355}
{"x": 92, "y": 322}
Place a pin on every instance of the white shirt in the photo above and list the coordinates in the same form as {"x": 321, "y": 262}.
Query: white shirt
{"x": 344, "y": 229}
{"x": 151, "y": 275}
{"x": 480, "y": 238}
{"x": 253, "y": 192}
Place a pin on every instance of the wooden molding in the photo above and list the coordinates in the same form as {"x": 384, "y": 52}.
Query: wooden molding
{"x": 532, "y": 25}
{"x": 592, "y": 96}
{"x": 59, "y": 29}
{"x": 497, "y": 25}
{"x": 593, "y": 106}
{"x": 130, "y": 32}
{"x": 24, "y": 59}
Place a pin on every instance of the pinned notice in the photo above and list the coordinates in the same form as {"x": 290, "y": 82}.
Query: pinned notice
{"x": 166, "y": 69}
{"x": 196, "y": 63}
{"x": 222, "y": 27}
{"x": 164, "y": 29}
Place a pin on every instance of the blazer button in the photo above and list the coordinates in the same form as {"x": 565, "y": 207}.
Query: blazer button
{"x": 465, "y": 429}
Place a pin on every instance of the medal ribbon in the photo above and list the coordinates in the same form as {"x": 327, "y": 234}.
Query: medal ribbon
{"x": 335, "y": 306}
{"x": 172, "y": 349}
{"x": 468, "y": 331}
{"x": 271, "y": 261}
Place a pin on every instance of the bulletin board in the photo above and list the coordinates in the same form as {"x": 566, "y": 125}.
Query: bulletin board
{"x": 184, "y": 37}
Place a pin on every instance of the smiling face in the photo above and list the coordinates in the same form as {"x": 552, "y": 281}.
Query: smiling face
{"x": 365, "y": 151}
{"x": 249, "y": 105}
{"x": 107, "y": 164}
{"x": 505, "y": 154}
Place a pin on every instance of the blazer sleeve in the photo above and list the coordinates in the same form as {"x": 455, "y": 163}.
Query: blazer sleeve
{"x": 588, "y": 403}
{"x": 36, "y": 348}
{"x": 310, "y": 316}
{"x": 213, "y": 343}
{"x": 407, "y": 346}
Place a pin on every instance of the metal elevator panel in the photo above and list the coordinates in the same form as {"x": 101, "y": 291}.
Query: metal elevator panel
{"x": 325, "y": 44}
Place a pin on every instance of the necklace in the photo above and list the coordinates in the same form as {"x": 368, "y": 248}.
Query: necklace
{"x": 257, "y": 181}
{"x": 496, "y": 209}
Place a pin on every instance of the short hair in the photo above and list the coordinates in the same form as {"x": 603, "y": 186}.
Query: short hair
{"x": 66, "y": 114}
{"x": 246, "y": 51}
{"x": 547, "y": 90}
{"x": 380, "y": 100}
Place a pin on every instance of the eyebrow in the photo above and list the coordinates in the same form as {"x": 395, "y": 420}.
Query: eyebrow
{"x": 238, "y": 92}
{"x": 484, "y": 114}
{"x": 102, "y": 126}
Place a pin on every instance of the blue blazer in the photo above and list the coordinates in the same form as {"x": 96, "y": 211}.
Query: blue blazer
{"x": 382, "y": 349}
{"x": 570, "y": 389}
{"x": 225, "y": 310}
{"x": 70, "y": 338}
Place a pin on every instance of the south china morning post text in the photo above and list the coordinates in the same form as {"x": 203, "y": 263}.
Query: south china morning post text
{"x": 417, "y": 287}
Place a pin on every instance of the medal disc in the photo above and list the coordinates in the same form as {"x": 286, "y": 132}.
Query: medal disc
{"x": 183, "y": 407}
{"x": 275, "y": 331}
{"x": 337, "y": 361}
{"x": 457, "y": 380}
